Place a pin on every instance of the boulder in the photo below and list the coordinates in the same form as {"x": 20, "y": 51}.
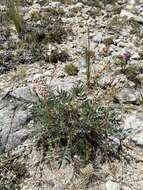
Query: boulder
{"x": 14, "y": 116}
{"x": 133, "y": 126}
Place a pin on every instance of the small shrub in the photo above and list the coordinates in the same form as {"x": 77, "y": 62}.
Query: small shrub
{"x": 122, "y": 64}
{"x": 135, "y": 26}
{"x": 56, "y": 35}
{"x": 123, "y": 61}
{"x": 71, "y": 69}
{"x": 141, "y": 54}
{"x": 19, "y": 74}
{"x": 114, "y": 22}
{"x": 108, "y": 41}
{"x": 79, "y": 127}
{"x": 131, "y": 73}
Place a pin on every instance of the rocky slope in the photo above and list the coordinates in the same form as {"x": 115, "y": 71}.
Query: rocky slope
{"x": 55, "y": 34}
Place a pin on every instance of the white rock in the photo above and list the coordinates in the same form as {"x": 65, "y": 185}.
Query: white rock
{"x": 138, "y": 138}
{"x": 129, "y": 15}
{"x": 110, "y": 185}
{"x": 129, "y": 95}
{"x": 133, "y": 122}
{"x": 131, "y": 4}
{"x": 55, "y": 4}
{"x": 61, "y": 84}
{"x": 98, "y": 38}
{"x": 105, "y": 80}
{"x": 75, "y": 8}
{"x": 24, "y": 93}
{"x": 135, "y": 56}
{"x": 126, "y": 188}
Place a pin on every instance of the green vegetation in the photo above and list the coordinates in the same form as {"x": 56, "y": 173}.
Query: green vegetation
{"x": 135, "y": 26}
{"x": 71, "y": 69}
{"x": 74, "y": 123}
{"x": 131, "y": 73}
{"x": 108, "y": 41}
{"x": 14, "y": 15}
{"x": 57, "y": 34}
{"x": 122, "y": 63}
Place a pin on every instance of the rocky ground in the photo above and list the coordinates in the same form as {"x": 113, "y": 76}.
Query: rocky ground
{"x": 35, "y": 60}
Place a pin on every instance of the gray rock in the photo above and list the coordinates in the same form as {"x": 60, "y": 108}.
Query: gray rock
{"x": 58, "y": 187}
{"x": 133, "y": 126}
{"x": 119, "y": 80}
{"x": 98, "y": 38}
{"x": 55, "y": 4}
{"x": 126, "y": 188}
{"x": 110, "y": 185}
{"x": 12, "y": 132}
{"x": 14, "y": 115}
{"x": 105, "y": 80}
{"x": 138, "y": 138}
{"x": 129, "y": 15}
{"x": 15, "y": 139}
{"x": 129, "y": 95}
{"x": 75, "y": 8}
{"x": 133, "y": 122}
{"x": 140, "y": 77}
{"x": 62, "y": 84}
{"x": 135, "y": 56}
{"x": 24, "y": 94}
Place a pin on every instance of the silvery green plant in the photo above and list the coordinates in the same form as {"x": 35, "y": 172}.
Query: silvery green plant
{"x": 74, "y": 123}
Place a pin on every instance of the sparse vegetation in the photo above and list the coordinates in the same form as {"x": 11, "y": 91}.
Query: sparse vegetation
{"x": 122, "y": 64}
{"x": 78, "y": 127}
{"x": 114, "y": 22}
{"x": 71, "y": 69}
{"x": 57, "y": 35}
{"x": 20, "y": 73}
{"x": 122, "y": 61}
{"x": 131, "y": 74}
{"x": 108, "y": 41}
{"x": 135, "y": 27}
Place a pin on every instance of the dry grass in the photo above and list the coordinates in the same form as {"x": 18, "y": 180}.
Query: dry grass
{"x": 19, "y": 74}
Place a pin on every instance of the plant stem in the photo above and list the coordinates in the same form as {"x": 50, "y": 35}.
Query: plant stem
{"x": 88, "y": 59}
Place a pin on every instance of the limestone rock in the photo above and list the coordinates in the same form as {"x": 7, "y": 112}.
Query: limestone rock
{"x": 138, "y": 138}
{"x": 133, "y": 122}
{"x": 62, "y": 84}
{"x": 110, "y": 185}
{"x": 24, "y": 94}
{"x": 129, "y": 95}
{"x": 129, "y": 15}
{"x": 134, "y": 127}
